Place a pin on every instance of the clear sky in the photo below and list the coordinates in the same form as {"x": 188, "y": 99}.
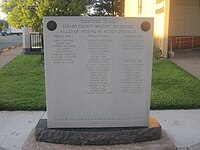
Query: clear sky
{"x": 2, "y": 15}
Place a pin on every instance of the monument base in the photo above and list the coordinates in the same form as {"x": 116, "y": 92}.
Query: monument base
{"x": 97, "y": 136}
{"x": 163, "y": 144}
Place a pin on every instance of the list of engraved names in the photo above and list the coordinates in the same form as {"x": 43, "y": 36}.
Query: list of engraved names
{"x": 99, "y": 45}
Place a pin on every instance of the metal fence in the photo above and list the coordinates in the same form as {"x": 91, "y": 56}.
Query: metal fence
{"x": 36, "y": 42}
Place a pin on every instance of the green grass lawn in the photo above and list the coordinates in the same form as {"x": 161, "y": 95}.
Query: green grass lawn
{"x": 22, "y": 86}
{"x": 173, "y": 88}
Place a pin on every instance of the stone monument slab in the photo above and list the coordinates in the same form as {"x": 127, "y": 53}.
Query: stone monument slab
{"x": 98, "y": 71}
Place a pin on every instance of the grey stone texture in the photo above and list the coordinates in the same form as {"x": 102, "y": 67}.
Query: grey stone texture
{"x": 97, "y": 98}
{"x": 163, "y": 144}
{"x": 97, "y": 136}
{"x": 194, "y": 147}
{"x": 2, "y": 148}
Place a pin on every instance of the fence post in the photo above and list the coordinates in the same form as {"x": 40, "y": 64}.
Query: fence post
{"x": 26, "y": 42}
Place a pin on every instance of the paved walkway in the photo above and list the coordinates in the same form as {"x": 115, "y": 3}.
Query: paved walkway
{"x": 9, "y": 55}
{"x": 188, "y": 60}
{"x": 5, "y": 57}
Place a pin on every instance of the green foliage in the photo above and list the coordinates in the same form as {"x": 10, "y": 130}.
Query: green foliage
{"x": 108, "y": 7}
{"x": 30, "y": 13}
{"x": 3, "y": 25}
{"x": 157, "y": 52}
{"x": 61, "y": 8}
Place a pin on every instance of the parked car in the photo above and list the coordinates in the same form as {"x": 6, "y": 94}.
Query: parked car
{"x": 3, "y": 33}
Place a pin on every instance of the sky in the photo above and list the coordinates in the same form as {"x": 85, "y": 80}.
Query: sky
{"x": 2, "y": 15}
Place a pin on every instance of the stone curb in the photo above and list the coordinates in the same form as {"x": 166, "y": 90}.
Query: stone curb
{"x": 9, "y": 48}
{"x": 5, "y": 50}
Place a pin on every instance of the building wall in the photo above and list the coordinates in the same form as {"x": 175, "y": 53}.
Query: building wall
{"x": 148, "y": 7}
{"x": 161, "y": 26}
{"x": 172, "y": 19}
{"x": 132, "y": 8}
{"x": 184, "y": 24}
{"x": 159, "y": 9}
{"x": 184, "y": 18}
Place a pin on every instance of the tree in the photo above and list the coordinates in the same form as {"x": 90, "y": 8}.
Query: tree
{"x": 3, "y": 25}
{"x": 18, "y": 14}
{"x": 108, "y": 7}
{"x": 30, "y": 13}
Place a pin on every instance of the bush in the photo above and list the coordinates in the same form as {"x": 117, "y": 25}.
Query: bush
{"x": 157, "y": 52}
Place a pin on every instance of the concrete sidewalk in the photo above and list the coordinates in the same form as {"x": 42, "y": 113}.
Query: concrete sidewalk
{"x": 189, "y": 61}
{"x": 182, "y": 127}
{"x": 9, "y": 55}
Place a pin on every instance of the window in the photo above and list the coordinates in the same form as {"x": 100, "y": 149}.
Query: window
{"x": 139, "y": 7}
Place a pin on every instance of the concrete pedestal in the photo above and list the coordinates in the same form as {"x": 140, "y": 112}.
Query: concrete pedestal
{"x": 97, "y": 136}
{"x": 163, "y": 144}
